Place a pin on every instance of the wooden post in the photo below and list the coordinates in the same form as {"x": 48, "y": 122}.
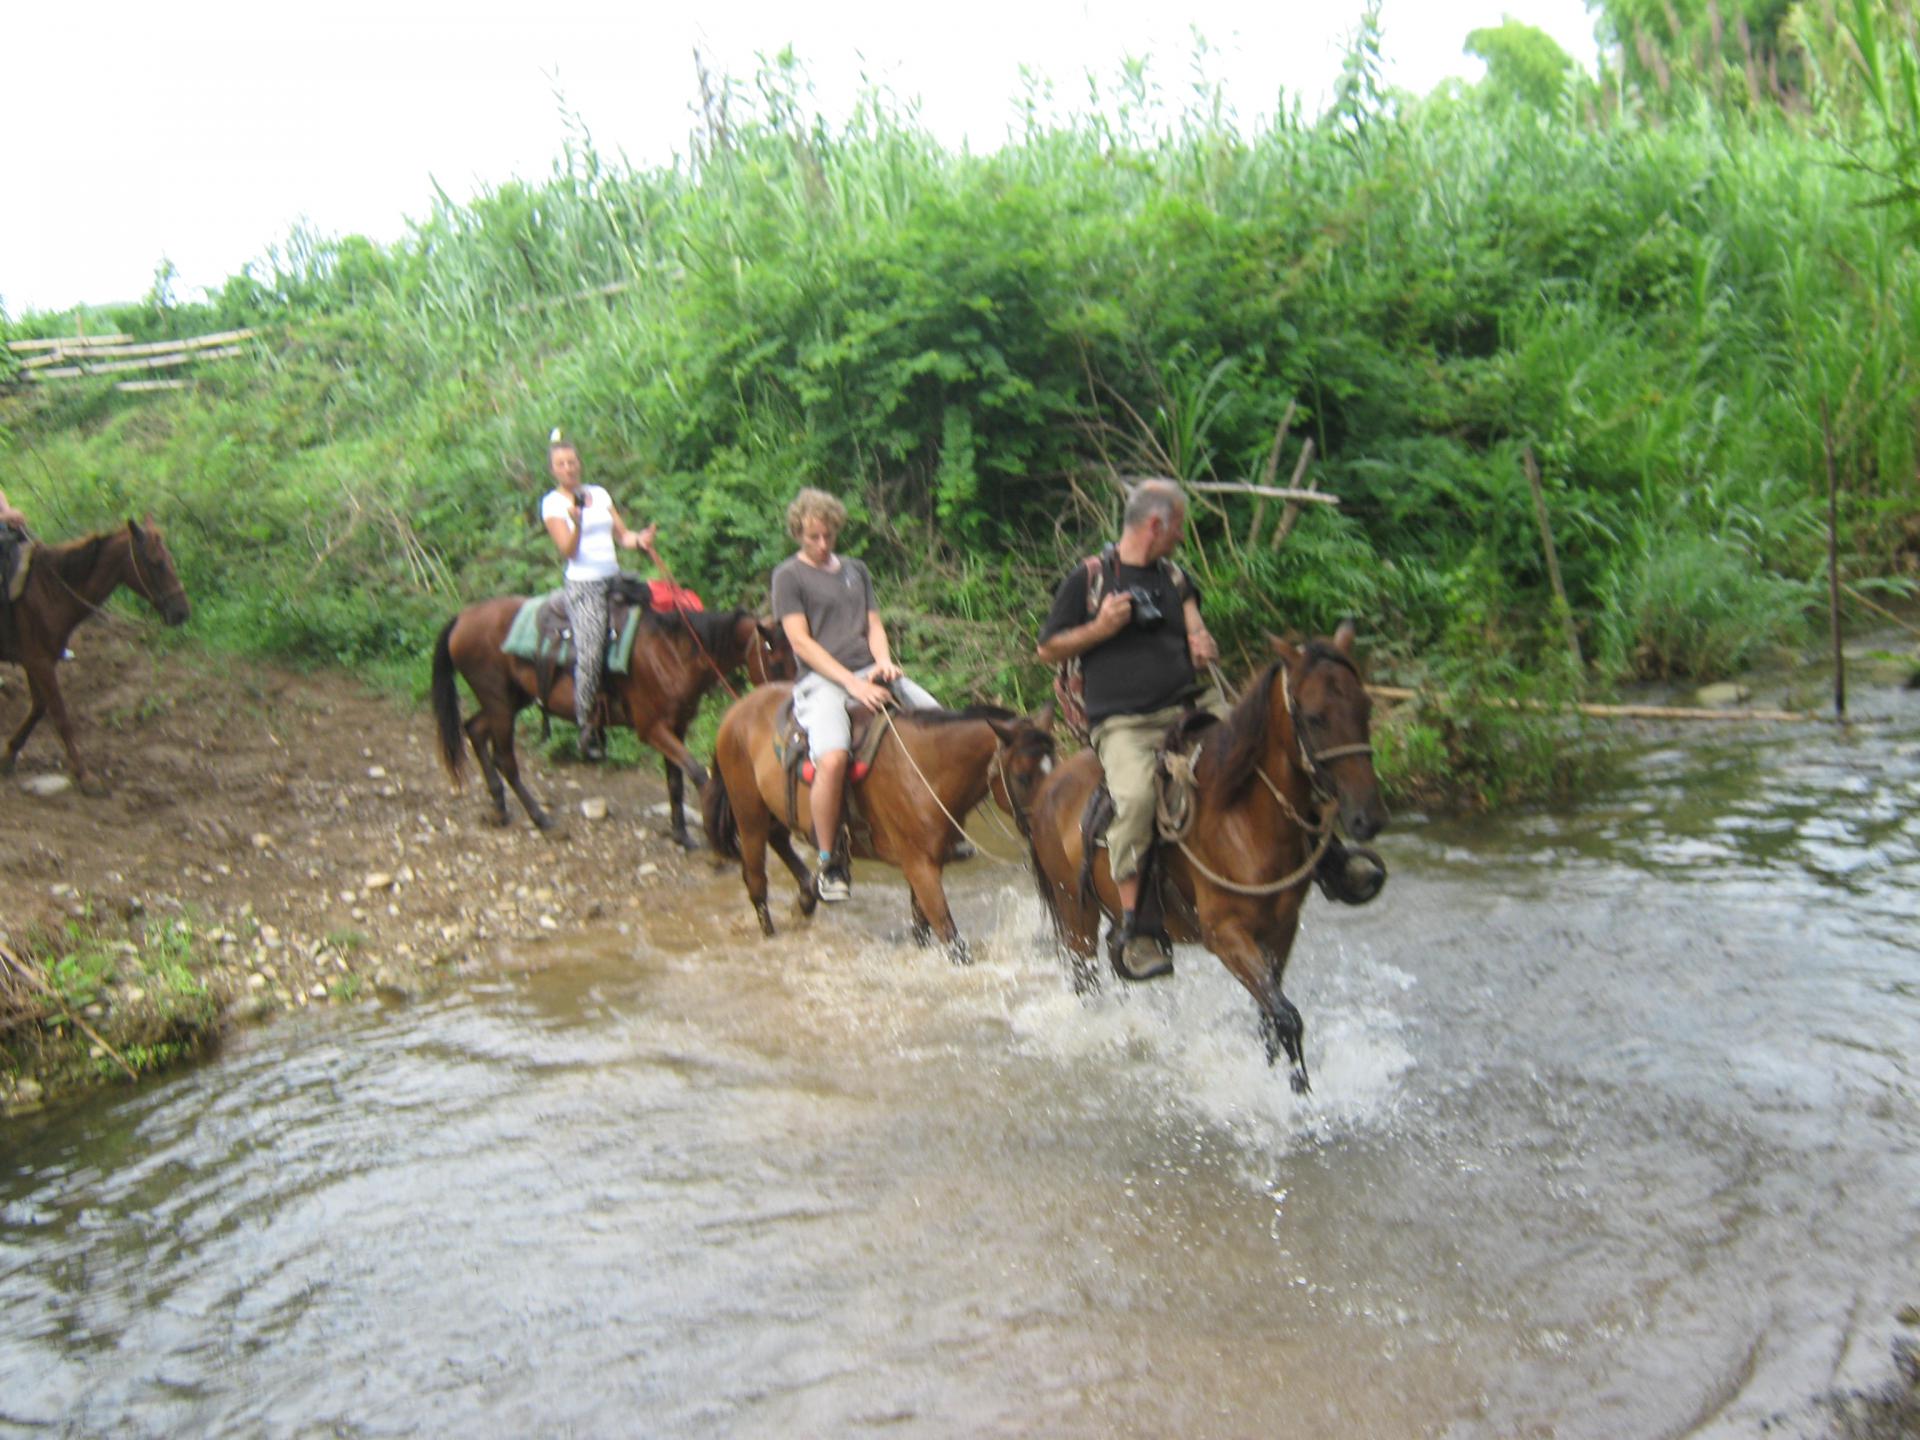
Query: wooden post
{"x": 1553, "y": 560}
{"x": 1292, "y": 512}
{"x": 1267, "y": 473}
{"x": 1833, "y": 566}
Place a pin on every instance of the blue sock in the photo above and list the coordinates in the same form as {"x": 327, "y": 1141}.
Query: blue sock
{"x": 826, "y": 858}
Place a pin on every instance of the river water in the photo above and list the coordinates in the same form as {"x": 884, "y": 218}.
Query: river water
{"x": 1613, "y": 1134}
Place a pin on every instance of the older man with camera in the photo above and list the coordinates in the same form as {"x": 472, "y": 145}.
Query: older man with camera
{"x": 1141, "y": 651}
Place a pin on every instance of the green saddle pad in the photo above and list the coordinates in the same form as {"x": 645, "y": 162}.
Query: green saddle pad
{"x": 524, "y": 637}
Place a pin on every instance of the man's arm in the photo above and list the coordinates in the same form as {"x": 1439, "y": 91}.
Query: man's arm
{"x": 1116, "y": 611}
{"x": 8, "y": 514}
{"x": 1200, "y": 644}
{"x": 882, "y": 652}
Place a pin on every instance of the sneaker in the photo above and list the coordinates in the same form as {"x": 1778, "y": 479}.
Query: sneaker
{"x": 832, "y": 884}
{"x": 1140, "y": 957}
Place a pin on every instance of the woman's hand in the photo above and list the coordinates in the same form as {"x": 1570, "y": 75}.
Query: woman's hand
{"x": 641, "y": 539}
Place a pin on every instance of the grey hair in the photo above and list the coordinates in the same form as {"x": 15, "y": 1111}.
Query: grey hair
{"x": 1150, "y": 498}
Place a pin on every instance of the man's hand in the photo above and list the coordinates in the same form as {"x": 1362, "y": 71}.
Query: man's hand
{"x": 873, "y": 697}
{"x": 11, "y": 516}
{"x": 886, "y": 672}
{"x": 1203, "y": 649}
{"x": 1116, "y": 612}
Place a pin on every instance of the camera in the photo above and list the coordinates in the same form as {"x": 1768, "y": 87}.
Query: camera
{"x": 1146, "y": 614}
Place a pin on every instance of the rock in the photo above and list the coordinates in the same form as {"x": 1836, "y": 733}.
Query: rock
{"x": 42, "y": 786}
{"x": 262, "y": 840}
{"x": 376, "y": 772}
{"x": 318, "y": 992}
{"x": 62, "y": 891}
{"x": 663, "y": 809}
{"x": 594, "y": 807}
{"x": 256, "y": 981}
{"x": 646, "y": 870}
{"x": 547, "y": 922}
{"x": 378, "y": 880}
{"x": 1722, "y": 696}
{"x": 27, "y": 1091}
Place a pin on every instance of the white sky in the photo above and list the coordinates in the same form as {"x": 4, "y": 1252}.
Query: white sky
{"x": 203, "y": 131}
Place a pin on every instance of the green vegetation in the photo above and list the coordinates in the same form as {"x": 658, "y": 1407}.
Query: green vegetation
{"x": 80, "y": 1002}
{"x": 1654, "y": 281}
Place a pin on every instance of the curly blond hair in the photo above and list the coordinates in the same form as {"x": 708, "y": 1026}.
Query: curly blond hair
{"x": 811, "y": 504}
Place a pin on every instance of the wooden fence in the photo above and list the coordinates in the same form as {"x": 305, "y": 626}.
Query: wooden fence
{"x": 71, "y": 357}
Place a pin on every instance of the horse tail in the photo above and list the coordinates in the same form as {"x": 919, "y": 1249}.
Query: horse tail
{"x": 446, "y": 708}
{"x": 716, "y": 813}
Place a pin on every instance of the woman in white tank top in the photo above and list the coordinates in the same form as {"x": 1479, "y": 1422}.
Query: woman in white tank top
{"x": 586, "y": 529}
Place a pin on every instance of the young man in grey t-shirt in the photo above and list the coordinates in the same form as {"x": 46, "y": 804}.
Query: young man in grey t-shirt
{"x": 825, "y": 604}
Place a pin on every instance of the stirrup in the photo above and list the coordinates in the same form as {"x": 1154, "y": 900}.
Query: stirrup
{"x": 1139, "y": 956}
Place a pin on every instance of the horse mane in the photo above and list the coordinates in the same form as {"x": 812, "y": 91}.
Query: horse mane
{"x": 1241, "y": 739}
{"x": 713, "y": 628}
{"x": 77, "y": 557}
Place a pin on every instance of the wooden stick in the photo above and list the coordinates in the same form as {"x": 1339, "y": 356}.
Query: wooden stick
{"x": 1292, "y": 512}
{"x": 1882, "y": 610}
{"x": 1277, "y": 492}
{"x": 1612, "y": 712}
{"x": 152, "y": 347}
{"x": 1268, "y": 471}
{"x": 155, "y": 384}
{"x": 1553, "y": 559}
{"x": 158, "y": 362}
{"x": 71, "y": 342}
{"x": 1833, "y": 567}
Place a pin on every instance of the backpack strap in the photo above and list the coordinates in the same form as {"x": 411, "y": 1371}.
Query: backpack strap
{"x": 1103, "y": 572}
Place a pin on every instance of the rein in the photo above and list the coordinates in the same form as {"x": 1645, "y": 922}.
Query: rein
{"x": 961, "y": 829}
{"x": 680, "y": 610}
{"x": 1177, "y": 826}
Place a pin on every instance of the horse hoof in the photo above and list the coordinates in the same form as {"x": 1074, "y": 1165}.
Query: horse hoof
{"x": 766, "y": 921}
{"x": 1297, "y": 1077}
{"x": 809, "y": 902}
{"x": 922, "y": 936}
{"x": 685, "y": 841}
{"x": 959, "y": 952}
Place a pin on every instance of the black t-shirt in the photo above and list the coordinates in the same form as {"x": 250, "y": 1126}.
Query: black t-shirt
{"x": 1137, "y": 670}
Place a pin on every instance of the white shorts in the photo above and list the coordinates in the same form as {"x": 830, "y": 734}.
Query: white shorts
{"x": 821, "y": 708}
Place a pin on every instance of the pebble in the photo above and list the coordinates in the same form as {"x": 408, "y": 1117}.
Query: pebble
{"x": 256, "y": 981}
{"x": 318, "y": 992}
{"x": 44, "y": 786}
{"x": 594, "y": 807}
{"x": 378, "y": 880}
{"x": 376, "y": 772}
{"x": 547, "y": 922}
{"x": 647, "y": 869}
{"x": 262, "y": 840}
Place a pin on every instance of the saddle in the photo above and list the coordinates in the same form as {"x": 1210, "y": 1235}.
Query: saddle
{"x": 543, "y": 630}
{"x": 790, "y": 749}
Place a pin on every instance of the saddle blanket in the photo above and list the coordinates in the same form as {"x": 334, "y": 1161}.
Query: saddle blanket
{"x": 529, "y": 640}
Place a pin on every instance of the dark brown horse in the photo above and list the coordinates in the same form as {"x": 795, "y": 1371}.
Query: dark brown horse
{"x": 933, "y": 768}
{"x": 65, "y": 585}
{"x": 1270, "y": 782}
{"x": 678, "y": 656}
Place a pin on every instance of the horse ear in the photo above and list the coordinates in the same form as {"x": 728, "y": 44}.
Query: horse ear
{"x": 1287, "y": 647}
{"x": 1042, "y": 719}
{"x": 1343, "y": 638}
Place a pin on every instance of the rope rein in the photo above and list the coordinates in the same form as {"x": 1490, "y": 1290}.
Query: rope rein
{"x": 958, "y": 827}
{"x": 680, "y": 610}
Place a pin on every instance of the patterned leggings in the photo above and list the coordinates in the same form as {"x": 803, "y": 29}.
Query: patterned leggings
{"x": 587, "y": 605}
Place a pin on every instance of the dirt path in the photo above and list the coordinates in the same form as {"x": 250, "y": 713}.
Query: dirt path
{"x": 303, "y": 828}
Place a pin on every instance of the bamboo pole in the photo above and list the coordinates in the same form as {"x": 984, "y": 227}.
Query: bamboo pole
{"x": 70, "y": 342}
{"x": 152, "y": 347}
{"x": 1292, "y": 512}
{"x": 1833, "y": 566}
{"x": 1269, "y": 470}
{"x": 158, "y": 362}
{"x": 1553, "y": 558}
{"x": 1611, "y": 712}
{"x": 1277, "y": 492}
{"x": 1881, "y": 610}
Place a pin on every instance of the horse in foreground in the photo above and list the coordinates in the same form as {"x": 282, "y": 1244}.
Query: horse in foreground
{"x": 65, "y": 585}
{"x": 678, "y": 655}
{"x": 934, "y": 768}
{"x": 1270, "y": 782}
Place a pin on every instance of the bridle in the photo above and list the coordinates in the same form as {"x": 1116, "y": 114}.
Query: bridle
{"x": 1314, "y": 761}
{"x": 698, "y": 644}
{"x": 178, "y": 592}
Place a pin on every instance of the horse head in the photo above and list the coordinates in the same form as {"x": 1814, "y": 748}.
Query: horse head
{"x": 1026, "y": 757}
{"x": 770, "y": 653}
{"x": 153, "y": 577}
{"x": 1321, "y": 690}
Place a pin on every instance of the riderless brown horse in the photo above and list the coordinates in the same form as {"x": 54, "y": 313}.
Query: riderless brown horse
{"x": 1270, "y": 781}
{"x": 928, "y": 773}
{"x": 678, "y": 655}
{"x": 65, "y": 585}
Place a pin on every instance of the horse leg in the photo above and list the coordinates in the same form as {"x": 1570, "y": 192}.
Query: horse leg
{"x": 781, "y": 839}
{"x": 922, "y": 931}
{"x": 44, "y": 688}
{"x": 36, "y": 707}
{"x": 479, "y": 736}
{"x": 676, "y": 792}
{"x": 509, "y": 763}
{"x": 930, "y": 908}
{"x": 1260, "y": 968}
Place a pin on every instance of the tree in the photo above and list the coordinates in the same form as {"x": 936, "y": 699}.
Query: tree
{"x": 1522, "y": 62}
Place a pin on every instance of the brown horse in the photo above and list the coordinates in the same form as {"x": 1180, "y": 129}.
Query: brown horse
{"x": 1270, "y": 781}
{"x": 65, "y": 585}
{"x": 678, "y": 656}
{"x": 933, "y": 768}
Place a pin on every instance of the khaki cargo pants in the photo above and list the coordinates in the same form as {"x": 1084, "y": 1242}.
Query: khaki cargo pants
{"x": 1125, "y": 745}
